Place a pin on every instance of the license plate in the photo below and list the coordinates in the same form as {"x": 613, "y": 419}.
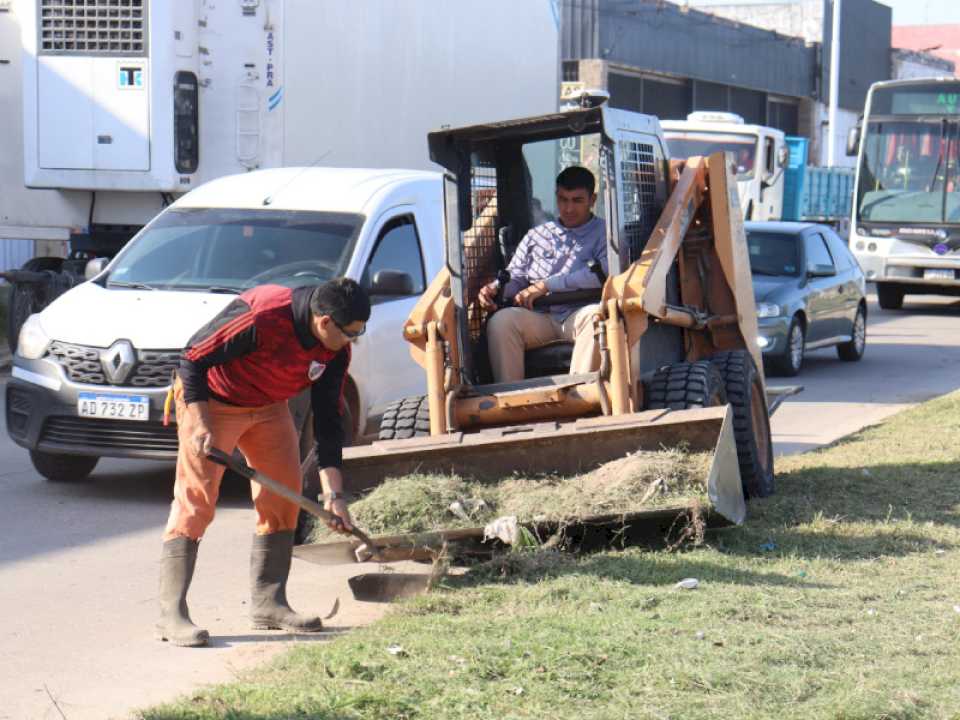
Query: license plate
{"x": 113, "y": 407}
{"x": 938, "y": 274}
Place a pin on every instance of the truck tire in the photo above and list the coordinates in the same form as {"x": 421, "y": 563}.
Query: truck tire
{"x": 751, "y": 421}
{"x": 63, "y": 468}
{"x": 406, "y": 418}
{"x": 684, "y": 385}
{"x": 890, "y": 296}
{"x": 28, "y": 298}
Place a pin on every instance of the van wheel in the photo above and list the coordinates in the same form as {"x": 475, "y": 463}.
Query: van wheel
{"x": 684, "y": 385}
{"x": 751, "y": 421}
{"x": 310, "y": 473}
{"x": 63, "y": 468}
{"x": 406, "y": 418}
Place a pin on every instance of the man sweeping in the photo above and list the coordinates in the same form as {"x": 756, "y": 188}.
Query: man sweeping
{"x": 234, "y": 380}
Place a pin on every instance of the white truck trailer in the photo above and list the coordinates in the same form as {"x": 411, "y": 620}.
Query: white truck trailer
{"x": 120, "y": 106}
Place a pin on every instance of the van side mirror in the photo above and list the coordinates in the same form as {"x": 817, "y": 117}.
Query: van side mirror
{"x": 815, "y": 271}
{"x": 391, "y": 282}
{"x": 95, "y": 267}
{"x": 853, "y": 141}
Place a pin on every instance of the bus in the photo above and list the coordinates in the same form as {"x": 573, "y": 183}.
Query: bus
{"x": 905, "y": 226}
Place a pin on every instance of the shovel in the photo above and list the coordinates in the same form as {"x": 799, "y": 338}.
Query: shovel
{"x": 333, "y": 554}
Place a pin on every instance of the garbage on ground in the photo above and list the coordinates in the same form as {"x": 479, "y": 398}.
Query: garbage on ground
{"x": 422, "y": 503}
{"x": 687, "y": 584}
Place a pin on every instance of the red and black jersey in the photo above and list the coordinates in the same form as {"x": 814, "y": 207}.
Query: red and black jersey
{"x": 260, "y": 350}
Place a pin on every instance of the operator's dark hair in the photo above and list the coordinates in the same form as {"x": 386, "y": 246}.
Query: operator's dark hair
{"x": 342, "y": 299}
{"x": 576, "y": 177}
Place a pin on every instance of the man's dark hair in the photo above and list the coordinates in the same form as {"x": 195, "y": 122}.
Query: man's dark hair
{"x": 342, "y": 299}
{"x": 576, "y": 177}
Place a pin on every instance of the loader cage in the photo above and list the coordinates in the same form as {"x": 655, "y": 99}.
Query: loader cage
{"x": 505, "y": 179}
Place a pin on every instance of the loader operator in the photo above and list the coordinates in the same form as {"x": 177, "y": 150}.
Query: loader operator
{"x": 551, "y": 258}
{"x": 234, "y": 380}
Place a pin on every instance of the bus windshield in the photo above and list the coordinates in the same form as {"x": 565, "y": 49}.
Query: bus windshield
{"x": 909, "y": 172}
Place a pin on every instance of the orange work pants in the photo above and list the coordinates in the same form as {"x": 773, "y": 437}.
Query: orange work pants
{"x": 268, "y": 440}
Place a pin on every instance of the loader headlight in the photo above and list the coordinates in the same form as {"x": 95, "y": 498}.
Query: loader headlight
{"x": 768, "y": 310}
{"x": 33, "y": 341}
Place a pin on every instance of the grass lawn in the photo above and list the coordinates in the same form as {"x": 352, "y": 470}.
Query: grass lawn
{"x": 839, "y": 598}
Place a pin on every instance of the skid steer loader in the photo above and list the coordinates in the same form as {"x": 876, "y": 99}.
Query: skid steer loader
{"x": 675, "y": 322}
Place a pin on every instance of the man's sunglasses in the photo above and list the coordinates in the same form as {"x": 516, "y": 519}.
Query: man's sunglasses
{"x": 350, "y": 335}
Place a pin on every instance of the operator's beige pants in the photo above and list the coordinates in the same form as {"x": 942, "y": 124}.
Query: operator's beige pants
{"x": 268, "y": 440}
{"x": 510, "y": 331}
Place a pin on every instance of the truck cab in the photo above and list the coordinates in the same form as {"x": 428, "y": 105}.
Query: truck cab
{"x": 92, "y": 370}
{"x": 760, "y": 154}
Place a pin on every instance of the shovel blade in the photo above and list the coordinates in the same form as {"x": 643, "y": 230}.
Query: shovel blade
{"x": 386, "y": 587}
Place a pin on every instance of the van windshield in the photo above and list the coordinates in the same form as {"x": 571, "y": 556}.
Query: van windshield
{"x": 228, "y": 250}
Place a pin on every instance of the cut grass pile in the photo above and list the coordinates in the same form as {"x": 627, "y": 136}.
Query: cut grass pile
{"x": 420, "y": 503}
{"x": 839, "y": 599}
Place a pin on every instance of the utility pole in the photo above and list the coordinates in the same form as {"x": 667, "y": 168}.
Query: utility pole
{"x": 834, "y": 84}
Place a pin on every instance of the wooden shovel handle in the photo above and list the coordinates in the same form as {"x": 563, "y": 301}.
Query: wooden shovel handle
{"x": 314, "y": 508}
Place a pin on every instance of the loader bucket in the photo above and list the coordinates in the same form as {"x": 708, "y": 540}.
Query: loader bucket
{"x": 563, "y": 448}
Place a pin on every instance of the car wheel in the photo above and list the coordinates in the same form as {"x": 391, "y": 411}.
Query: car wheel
{"x": 791, "y": 361}
{"x": 853, "y": 350}
{"x": 890, "y": 296}
{"x": 63, "y": 468}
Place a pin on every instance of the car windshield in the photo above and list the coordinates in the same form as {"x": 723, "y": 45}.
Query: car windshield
{"x": 230, "y": 250}
{"x": 743, "y": 148}
{"x": 774, "y": 253}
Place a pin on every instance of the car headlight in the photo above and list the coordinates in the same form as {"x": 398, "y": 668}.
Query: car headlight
{"x": 33, "y": 341}
{"x": 768, "y": 310}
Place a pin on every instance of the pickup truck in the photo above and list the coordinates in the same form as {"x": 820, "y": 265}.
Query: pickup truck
{"x": 92, "y": 370}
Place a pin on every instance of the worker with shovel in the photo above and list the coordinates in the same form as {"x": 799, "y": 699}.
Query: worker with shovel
{"x": 234, "y": 380}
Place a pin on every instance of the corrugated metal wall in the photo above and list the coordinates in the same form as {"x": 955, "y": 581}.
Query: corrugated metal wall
{"x": 14, "y": 253}
{"x": 662, "y": 37}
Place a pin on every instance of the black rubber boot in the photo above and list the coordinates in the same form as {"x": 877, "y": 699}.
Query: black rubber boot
{"x": 269, "y": 570}
{"x": 177, "y": 561}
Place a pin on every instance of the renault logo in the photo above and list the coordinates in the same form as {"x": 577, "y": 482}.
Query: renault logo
{"x": 117, "y": 361}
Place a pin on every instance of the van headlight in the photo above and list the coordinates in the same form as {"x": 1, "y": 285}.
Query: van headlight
{"x": 33, "y": 341}
{"x": 768, "y": 310}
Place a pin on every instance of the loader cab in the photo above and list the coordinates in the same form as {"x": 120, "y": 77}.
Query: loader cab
{"x": 502, "y": 184}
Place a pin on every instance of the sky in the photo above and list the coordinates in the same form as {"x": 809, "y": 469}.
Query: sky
{"x": 905, "y": 12}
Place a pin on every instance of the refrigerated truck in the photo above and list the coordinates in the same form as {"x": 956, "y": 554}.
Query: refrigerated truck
{"x": 905, "y": 224}
{"x": 117, "y": 107}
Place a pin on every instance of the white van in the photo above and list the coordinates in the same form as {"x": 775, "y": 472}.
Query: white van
{"x": 92, "y": 370}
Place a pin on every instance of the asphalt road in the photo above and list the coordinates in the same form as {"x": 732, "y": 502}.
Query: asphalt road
{"x": 78, "y": 562}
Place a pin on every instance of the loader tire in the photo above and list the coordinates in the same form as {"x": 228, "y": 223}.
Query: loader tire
{"x": 684, "y": 385}
{"x": 406, "y": 418}
{"x": 751, "y": 421}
